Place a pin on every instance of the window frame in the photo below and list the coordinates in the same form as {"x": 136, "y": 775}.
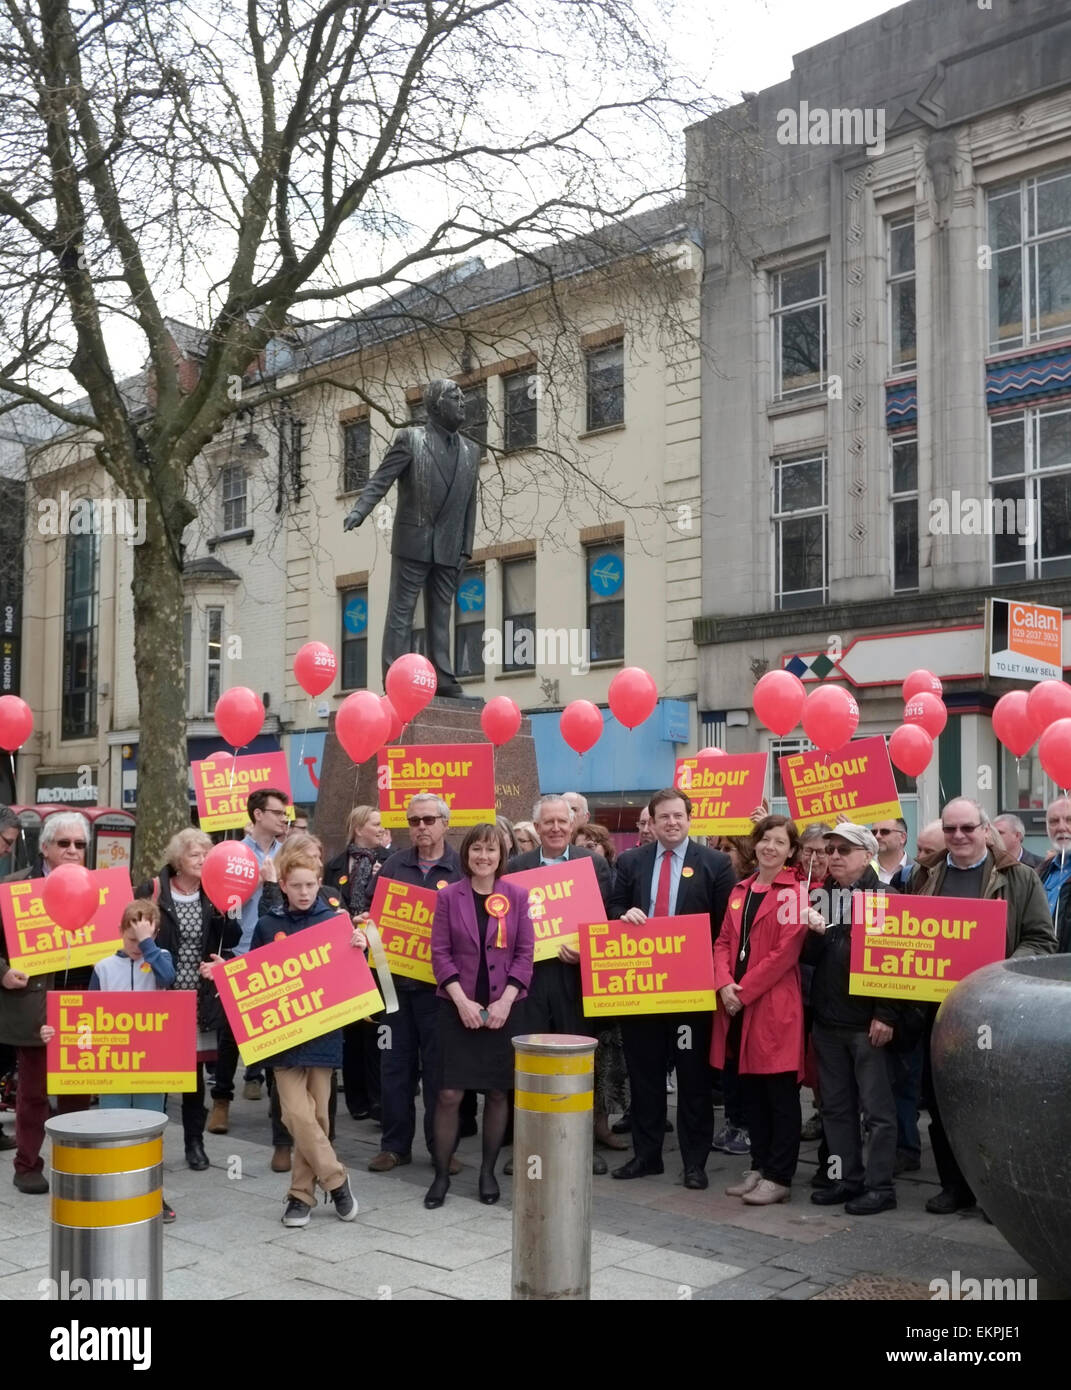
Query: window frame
{"x": 233, "y": 469}
{"x": 349, "y": 639}
{"x": 1032, "y": 475}
{"x": 778, "y": 519}
{"x": 522, "y": 622}
{"x": 346, "y": 485}
{"x": 893, "y": 279}
{"x": 899, "y": 500}
{"x": 85, "y": 726}
{"x": 779, "y": 312}
{"x": 1028, "y": 243}
{"x": 213, "y": 612}
{"x": 530, "y": 378}
{"x": 591, "y": 356}
{"x": 476, "y": 571}
{"x": 616, "y": 600}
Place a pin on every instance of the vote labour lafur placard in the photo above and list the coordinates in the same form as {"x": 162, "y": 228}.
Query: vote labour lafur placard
{"x": 462, "y": 774}
{"x": 120, "y": 1042}
{"x": 723, "y": 791}
{"x": 665, "y": 966}
{"x": 919, "y": 948}
{"x": 222, "y": 786}
{"x": 37, "y": 946}
{"x": 295, "y": 989}
{"x": 560, "y": 898}
{"x": 404, "y": 914}
{"x": 856, "y": 781}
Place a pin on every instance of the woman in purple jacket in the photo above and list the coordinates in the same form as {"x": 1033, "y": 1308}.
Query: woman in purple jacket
{"x": 481, "y": 952}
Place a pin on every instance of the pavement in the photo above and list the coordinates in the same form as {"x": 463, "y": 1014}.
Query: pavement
{"x": 651, "y": 1238}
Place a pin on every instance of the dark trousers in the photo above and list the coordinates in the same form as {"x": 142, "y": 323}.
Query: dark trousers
{"x": 774, "y": 1121}
{"x": 408, "y": 578}
{"x": 552, "y": 1004}
{"x": 32, "y": 1108}
{"x": 646, "y": 1040}
{"x": 194, "y": 1112}
{"x": 361, "y": 1065}
{"x": 226, "y": 1064}
{"x": 411, "y": 1052}
{"x": 732, "y": 1092}
{"x": 906, "y": 1068}
{"x": 854, "y": 1076}
{"x": 948, "y": 1169}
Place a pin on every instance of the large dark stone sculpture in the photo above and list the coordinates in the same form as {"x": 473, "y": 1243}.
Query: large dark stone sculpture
{"x": 436, "y": 469}
{"x": 1002, "y": 1067}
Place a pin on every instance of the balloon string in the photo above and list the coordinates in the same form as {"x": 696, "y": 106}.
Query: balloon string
{"x": 234, "y": 764}
{"x": 301, "y": 753}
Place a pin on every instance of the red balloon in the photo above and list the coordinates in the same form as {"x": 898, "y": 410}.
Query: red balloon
{"x": 315, "y": 667}
{"x": 711, "y": 753}
{"x": 500, "y": 719}
{"x": 1012, "y": 723}
{"x": 394, "y": 733}
{"x": 230, "y": 874}
{"x": 70, "y": 896}
{"x": 927, "y": 711}
{"x": 581, "y": 725}
{"x": 779, "y": 698}
{"x": 1046, "y": 702}
{"x": 362, "y": 725}
{"x": 239, "y": 715}
{"x": 16, "y": 726}
{"x": 921, "y": 680}
{"x": 411, "y": 682}
{"x": 1054, "y": 751}
{"x": 911, "y": 748}
{"x": 830, "y": 717}
{"x": 632, "y": 696}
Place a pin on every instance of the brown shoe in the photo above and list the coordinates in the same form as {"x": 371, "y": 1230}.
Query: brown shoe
{"x": 766, "y": 1193}
{"x": 747, "y": 1183}
{"x": 219, "y": 1120}
{"x": 609, "y": 1140}
{"x": 280, "y": 1159}
{"x": 385, "y": 1161}
{"x": 455, "y": 1165}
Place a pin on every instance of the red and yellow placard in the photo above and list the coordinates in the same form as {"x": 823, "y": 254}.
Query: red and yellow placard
{"x": 856, "y": 781}
{"x": 222, "y": 786}
{"x": 723, "y": 791}
{"x": 37, "y": 946}
{"x": 462, "y": 774}
{"x": 122, "y": 1042}
{"x": 665, "y": 966}
{"x": 404, "y": 914}
{"x": 560, "y": 898}
{"x": 297, "y": 988}
{"x": 920, "y": 948}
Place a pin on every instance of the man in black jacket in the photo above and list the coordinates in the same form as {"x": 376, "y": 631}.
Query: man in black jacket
{"x": 672, "y": 877}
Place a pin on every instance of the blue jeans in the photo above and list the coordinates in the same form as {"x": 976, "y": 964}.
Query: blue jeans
{"x": 906, "y": 1070}
{"x": 411, "y": 1052}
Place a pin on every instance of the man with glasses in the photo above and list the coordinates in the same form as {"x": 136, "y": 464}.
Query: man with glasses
{"x": 1055, "y": 868}
{"x": 64, "y": 838}
{"x": 412, "y": 1051}
{"x": 976, "y": 865}
{"x": 891, "y": 836}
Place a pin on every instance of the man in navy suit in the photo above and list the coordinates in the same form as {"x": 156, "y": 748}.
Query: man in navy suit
{"x": 670, "y": 878}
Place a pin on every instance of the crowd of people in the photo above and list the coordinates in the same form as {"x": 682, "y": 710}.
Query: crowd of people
{"x": 779, "y": 908}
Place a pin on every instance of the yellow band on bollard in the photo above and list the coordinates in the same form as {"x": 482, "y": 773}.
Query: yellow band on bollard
{"x": 128, "y": 1158}
{"x": 543, "y": 1065}
{"x": 556, "y": 1104}
{"x": 125, "y": 1212}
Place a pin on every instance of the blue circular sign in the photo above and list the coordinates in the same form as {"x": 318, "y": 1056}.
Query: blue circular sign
{"x": 607, "y": 574}
{"x": 471, "y": 595}
{"x": 355, "y": 615}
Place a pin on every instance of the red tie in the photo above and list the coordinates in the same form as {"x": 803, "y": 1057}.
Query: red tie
{"x": 661, "y": 902}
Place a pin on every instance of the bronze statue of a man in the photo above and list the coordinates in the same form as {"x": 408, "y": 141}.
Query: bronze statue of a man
{"x": 436, "y": 470}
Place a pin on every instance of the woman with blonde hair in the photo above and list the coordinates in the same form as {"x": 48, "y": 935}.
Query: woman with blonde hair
{"x": 524, "y": 832}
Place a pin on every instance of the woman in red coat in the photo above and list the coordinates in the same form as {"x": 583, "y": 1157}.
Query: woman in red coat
{"x": 760, "y": 1018}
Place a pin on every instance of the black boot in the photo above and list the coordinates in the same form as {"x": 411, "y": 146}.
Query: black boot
{"x": 196, "y": 1157}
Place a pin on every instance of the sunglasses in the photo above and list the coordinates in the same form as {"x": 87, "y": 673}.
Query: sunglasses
{"x": 842, "y": 850}
{"x": 963, "y": 829}
{"x": 423, "y": 820}
{"x": 897, "y": 831}
{"x": 66, "y": 844}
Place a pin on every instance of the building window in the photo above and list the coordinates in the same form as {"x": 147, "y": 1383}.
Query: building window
{"x": 1030, "y": 265}
{"x": 521, "y": 395}
{"x": 213, "y": 657}
{"x": 475, "y": 426}
{"x": 905, "y": 513}
{"x": 469, "y": 623}
{"x": 606, "y": 386}
{"x": 1030, "y": 511}
{"x": 356, "y": 451}
{"x": 80, "y": 636}
{"x": 518, "y": 614}
{"x": 295, "y": 454}
{"x": 901, "y": 263}
{"x": 187, "y": 654}
{"x": 354, "y": 639}
{"x": 606, "y": 602}
{"x": 799, "y": 328}
{"x": 800, "y": 522}
{"x": 783, "y": 748}
{"x": 233, "y": 493}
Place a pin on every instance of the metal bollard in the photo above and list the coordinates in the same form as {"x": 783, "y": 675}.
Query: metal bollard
{"x": 107, "y": 1205}
{"x": 552, "y": 1145}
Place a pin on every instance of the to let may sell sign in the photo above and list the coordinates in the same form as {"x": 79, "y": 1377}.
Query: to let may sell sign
{"x": 462, "y": 774}
{"x": 561, "y": 897}
{"x": 296, "y": 989}
{"x": 404, "y": 913}
{"x": 665, "y": 966}
{"x": 723, "y": 791}
{"x": 222, "y": 786}
{"x": 122, "y": 1042}
{"x": 919, "y": 948}
{"x": 856, "y": 781}
{"x": 37, "y": 946}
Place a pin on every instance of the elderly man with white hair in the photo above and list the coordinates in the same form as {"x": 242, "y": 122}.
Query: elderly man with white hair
{"x": 64, "y": 838}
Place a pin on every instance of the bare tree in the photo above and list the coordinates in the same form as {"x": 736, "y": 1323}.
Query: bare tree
{"x": 269, "y": 164}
